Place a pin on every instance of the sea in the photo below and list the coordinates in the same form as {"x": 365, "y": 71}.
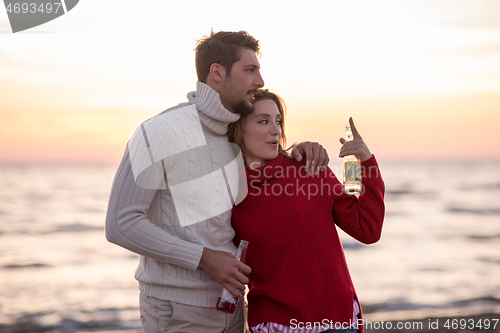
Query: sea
{"x": 439, "y": 254}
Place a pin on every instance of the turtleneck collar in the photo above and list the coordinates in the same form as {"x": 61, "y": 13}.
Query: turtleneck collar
{"x": 210, "y": 109}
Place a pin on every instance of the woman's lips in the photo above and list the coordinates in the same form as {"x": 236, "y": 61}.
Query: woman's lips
{"x": 273, "y": 143}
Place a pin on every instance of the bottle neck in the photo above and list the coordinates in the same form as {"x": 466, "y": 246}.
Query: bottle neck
{"x": 348, "y": 135}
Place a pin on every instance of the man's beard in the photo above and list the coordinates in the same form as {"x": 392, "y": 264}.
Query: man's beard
{"x": 243, "y": 108}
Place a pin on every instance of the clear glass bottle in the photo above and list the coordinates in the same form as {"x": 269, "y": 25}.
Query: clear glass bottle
{"x": 352, "y": 169}
{"x": 227, "y": 302}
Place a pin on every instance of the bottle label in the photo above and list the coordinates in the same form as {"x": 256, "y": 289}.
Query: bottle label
{"x": 352, "y": 171}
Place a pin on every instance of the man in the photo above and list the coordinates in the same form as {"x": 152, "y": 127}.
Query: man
{"x": 155, "y": 202}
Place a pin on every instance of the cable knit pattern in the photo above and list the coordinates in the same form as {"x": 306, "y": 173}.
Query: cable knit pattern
{"x": 145, "y": 221}
{"x": 298, "y": 266}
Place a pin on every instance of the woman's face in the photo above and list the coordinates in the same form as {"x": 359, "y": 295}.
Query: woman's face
{"x": 262, "y": 133}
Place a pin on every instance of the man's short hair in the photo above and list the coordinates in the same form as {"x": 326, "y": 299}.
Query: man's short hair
{"x": 223, "y": 48}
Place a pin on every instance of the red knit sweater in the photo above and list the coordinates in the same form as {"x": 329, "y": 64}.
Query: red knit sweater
{"x": 298, "y": 266}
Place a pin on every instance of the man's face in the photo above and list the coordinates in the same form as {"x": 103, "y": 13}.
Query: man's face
{"x": 239, "y": 88}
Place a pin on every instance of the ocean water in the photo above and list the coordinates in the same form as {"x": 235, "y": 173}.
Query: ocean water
{"x": 439, "y": 254}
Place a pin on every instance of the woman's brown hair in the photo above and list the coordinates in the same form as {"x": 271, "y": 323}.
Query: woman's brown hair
{"x": 236, "y": 130}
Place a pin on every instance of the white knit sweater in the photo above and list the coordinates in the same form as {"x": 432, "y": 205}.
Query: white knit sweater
{"x": 145, "y": 221}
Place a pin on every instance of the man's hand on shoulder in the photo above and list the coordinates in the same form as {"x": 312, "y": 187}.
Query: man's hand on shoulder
{"x": 224, "y": 269}
{"x": 316, "y": 156}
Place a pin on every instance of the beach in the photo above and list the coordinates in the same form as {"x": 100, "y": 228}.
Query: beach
{"x": 438, "y": 258}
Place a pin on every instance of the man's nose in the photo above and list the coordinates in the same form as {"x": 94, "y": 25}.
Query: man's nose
{"x": 259, "y": 81}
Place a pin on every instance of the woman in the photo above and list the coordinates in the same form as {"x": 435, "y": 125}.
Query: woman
{"x": 299, "y": 277}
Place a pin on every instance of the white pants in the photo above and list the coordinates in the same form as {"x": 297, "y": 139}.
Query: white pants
{"x": 161, "y": 316}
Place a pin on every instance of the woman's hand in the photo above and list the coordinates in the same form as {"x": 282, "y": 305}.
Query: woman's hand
{"x": 356, "y": 147}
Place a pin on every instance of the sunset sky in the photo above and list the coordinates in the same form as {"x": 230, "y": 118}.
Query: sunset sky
{"x": 421, "y": 78}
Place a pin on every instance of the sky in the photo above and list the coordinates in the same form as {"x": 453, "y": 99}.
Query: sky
{"x": 421, "y": 78}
